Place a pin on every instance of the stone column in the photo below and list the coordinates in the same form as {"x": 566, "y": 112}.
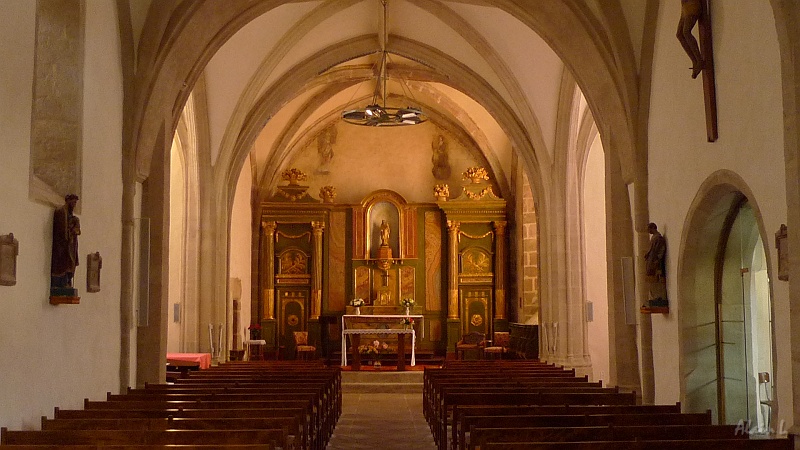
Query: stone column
{"x": 453, "y": 230}
{"x": 500, "y": 269}
{"x": 316, "y": 276}
{"x": 267, "y": 270}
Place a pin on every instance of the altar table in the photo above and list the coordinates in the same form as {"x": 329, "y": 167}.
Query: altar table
{"x": 204, "y": 359}
{"x": 373, "y": 320}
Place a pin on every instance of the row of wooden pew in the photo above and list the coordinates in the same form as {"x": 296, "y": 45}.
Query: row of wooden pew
{"x": 490, "y": 405}
{"x": 242, "y": 405}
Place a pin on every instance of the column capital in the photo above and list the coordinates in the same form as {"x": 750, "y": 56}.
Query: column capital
{"x": 269, "y": 226}
{"x": 453, "y": 226}
{"x": 317, "y": 226}
{"x": 500, "y": 226}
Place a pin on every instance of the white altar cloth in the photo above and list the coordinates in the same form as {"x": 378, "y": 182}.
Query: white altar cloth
{"x": 382, "y": 318}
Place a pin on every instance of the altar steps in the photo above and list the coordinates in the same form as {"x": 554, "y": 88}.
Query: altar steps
{"x": 423, "y": 359}
{"x": 384, "y": 381}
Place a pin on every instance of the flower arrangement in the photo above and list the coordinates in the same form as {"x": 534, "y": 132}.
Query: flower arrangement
{"x": 374, "y": 349}
{"x": 407, "y": 321}
{"x": 407, "y": 302}
{"x": 357, "y": 302}
{"x": 255, "y": 331}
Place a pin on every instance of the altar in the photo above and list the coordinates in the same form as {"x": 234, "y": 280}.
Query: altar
{"x": 356, "y": 326}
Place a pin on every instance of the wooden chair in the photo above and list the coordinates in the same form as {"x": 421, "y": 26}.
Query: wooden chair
{"x": 470, "y": 341}
{"x": 500, "y": 345}
{"x": 302, "y": 349}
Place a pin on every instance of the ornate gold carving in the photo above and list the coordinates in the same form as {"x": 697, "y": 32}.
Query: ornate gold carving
{"x": 292, "y": 320}
{"x": 478, "y": 195}
{"x": 293, "y": 262}
{"x": 292, "y": 236}
{"x": 463, "y": 233}
{"x": 476, "y": 320}
{"x": 441, "y": 192}
{"x": 292, "y": 196}
{"x": 475, "y": 174}
{"x": 293, "y": 176}
{"x": 476, "y": 261}
{"x": 327, "y": 194}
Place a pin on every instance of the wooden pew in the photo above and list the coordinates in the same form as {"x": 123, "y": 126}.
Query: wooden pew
{"x": 480, "y": 436}
{"x": 461, "y": 412}
{"x": 273, "y": 437}
{"x": 520, "y": 399}
{"x": 467, "y": 422}
{"x": 699, "y": 444}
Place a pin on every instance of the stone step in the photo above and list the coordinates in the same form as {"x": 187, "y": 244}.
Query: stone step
{"x": 384, "y": 381}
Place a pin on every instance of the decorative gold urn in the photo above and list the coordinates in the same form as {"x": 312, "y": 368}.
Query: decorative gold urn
{"x": 327, "y": 193}
{"x": 441, "y": 192}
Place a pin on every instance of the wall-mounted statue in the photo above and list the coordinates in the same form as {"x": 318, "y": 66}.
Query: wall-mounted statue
{"x": 655, "y": 268}
{"x": 440, "y": 158}
{"x": 325, "y": 140}
{"x": 66, "y": 229}
{"x": 9, "y": 249}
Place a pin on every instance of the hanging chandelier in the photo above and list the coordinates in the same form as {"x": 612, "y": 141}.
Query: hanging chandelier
{"x": 380, "y": 115}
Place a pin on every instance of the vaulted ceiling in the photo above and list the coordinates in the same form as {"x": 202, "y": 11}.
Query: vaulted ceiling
{"x": 470, "y": 65}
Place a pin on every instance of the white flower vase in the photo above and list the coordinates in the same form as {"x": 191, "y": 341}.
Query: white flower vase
{"x": 358, "y": 310}
{"x": 408, "y": 310}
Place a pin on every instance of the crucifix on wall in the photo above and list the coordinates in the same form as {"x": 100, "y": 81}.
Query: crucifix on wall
{"x": 702, "y": 55}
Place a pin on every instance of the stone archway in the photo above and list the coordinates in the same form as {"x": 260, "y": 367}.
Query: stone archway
{"x": 704, "y": 238}
{"x": 175, "y": 51}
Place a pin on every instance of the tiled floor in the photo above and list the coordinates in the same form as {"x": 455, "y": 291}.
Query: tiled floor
{"x": 381, "y": 421}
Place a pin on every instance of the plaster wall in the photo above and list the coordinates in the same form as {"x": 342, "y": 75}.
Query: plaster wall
{"x": 366, "y": 159}
{"x": 241, "y": 238}
{"x": 750, "y": 144}
{"x": 59, "y": 354}
{"x": 596, "y": 272}
{"x": 177, "y": 225}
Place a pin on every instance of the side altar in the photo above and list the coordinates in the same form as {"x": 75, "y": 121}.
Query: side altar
{"x": 377, "y": 326}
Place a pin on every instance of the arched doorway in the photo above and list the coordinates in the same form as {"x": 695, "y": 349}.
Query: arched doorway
{"x": 744, "y": 325}
{"x": 725, "y": 307}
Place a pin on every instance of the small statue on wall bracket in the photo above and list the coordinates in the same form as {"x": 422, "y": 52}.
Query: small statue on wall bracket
{"x": 9, "y": 249}
{"x": 655, "y": 269}
{"x": 64, "y": 259}
{"x": 94, "y": 262}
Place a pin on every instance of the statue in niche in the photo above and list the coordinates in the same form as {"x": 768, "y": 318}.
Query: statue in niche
{"x": 384, "y": 233}
{"x": 655, "y": 268}
{"x": 66, "y": 229}
{"x": 440, "y": 158}
{"x": 325, "y": 140}
{"x": 691, "y": 10}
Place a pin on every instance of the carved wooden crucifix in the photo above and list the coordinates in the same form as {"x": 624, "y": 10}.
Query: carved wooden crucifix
{"x": 702, "y": 55}
{"x": 709, "y": 82}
